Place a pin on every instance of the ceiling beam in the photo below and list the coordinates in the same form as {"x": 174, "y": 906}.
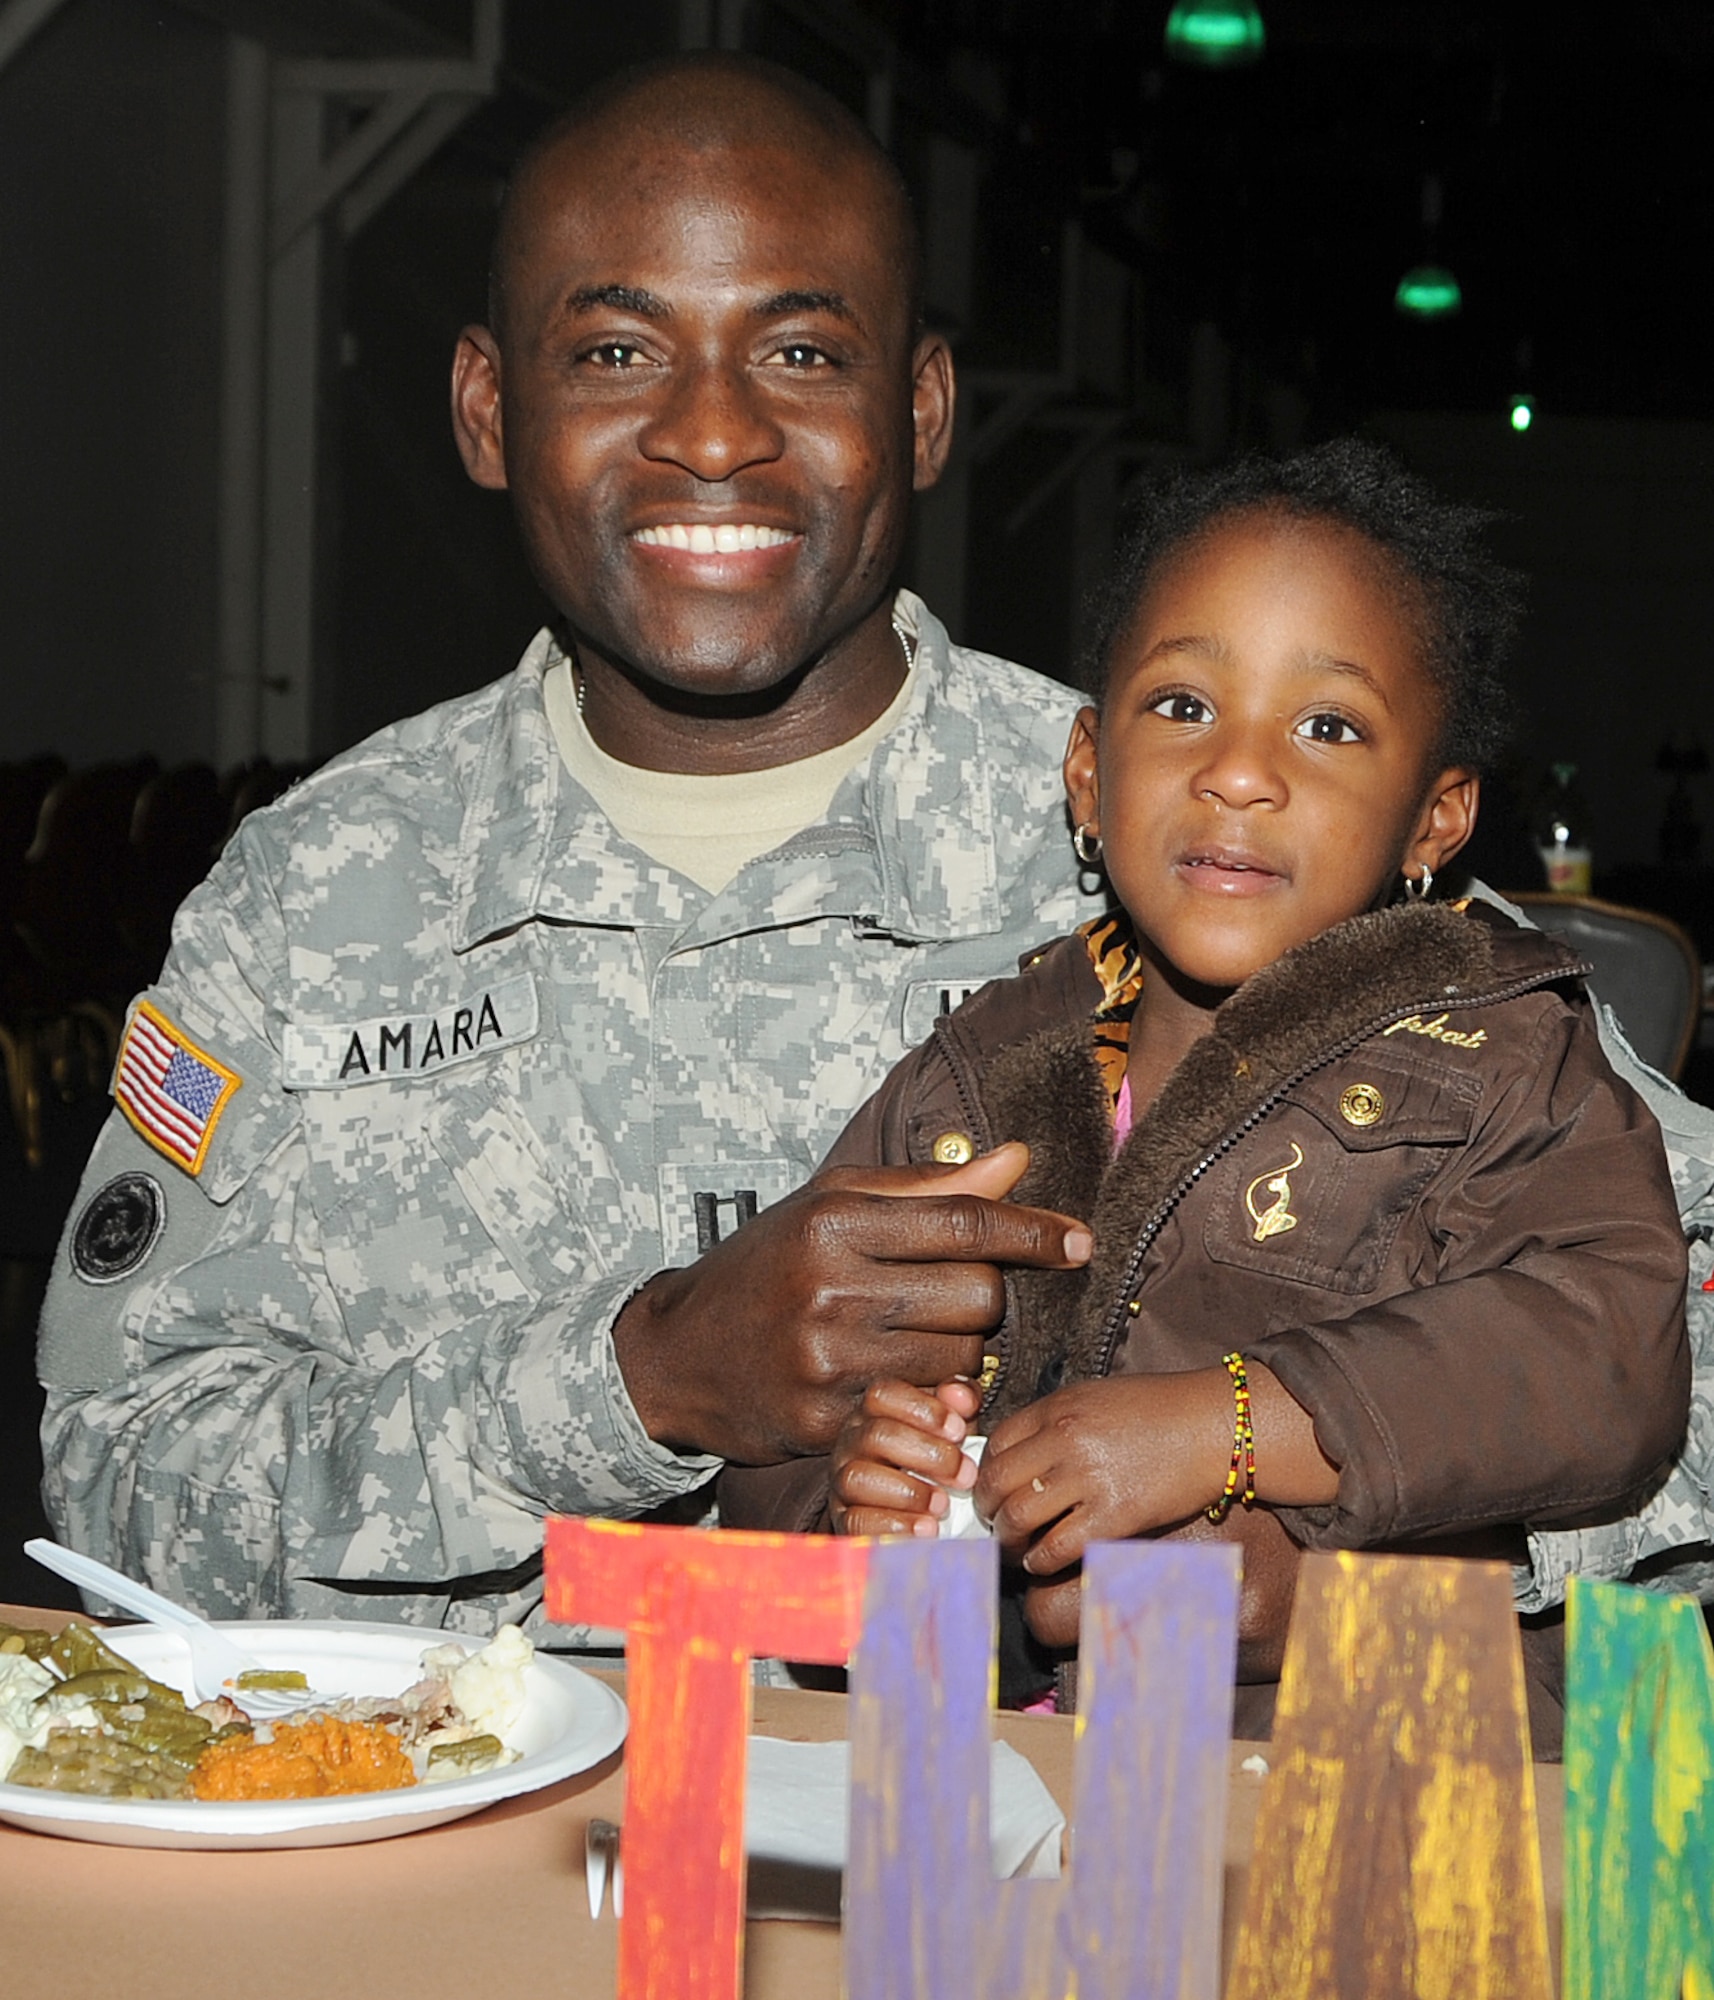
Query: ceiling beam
{"x": 19, "y": 20}
{"x": 354, "y": 29}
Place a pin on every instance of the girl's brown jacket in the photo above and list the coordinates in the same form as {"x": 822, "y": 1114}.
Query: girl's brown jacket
{"x": 1399, "y": 1172}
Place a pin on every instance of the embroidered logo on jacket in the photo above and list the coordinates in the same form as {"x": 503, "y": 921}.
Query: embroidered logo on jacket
{"x": 1275, "y": 1217}
{"x": 1437, "y": 1031}
{"x": 173, "y": 1092}
{"x": 327, "y": 1056}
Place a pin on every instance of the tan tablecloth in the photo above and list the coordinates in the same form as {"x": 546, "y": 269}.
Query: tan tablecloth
{"x": 485, "y": 1909}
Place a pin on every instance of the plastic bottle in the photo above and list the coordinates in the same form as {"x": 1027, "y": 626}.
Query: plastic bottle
{"x": 1562, "y": 833}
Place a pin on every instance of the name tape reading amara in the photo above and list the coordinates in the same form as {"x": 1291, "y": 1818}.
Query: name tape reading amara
{"x": 334, "y": 1055}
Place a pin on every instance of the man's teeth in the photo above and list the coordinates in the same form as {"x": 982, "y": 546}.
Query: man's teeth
{"x": 700, "y": 539}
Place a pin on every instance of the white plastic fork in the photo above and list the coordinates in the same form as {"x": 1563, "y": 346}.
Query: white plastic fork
{"x": 601, "y": 1854}
{"x": 215, "y": 1662}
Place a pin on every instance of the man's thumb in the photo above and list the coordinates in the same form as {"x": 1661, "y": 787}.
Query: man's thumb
{"x": 992, "y": 1174}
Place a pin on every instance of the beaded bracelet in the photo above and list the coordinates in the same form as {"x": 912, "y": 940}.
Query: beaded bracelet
{"x": 1243, "y": 1464}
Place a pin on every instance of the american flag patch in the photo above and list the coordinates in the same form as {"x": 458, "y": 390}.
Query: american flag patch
{"x": 172, "y": 1091}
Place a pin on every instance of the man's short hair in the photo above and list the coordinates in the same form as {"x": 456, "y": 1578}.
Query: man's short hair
{"x": 738, "y": 78}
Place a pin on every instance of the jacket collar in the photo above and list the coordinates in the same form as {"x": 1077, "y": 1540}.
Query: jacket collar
{"x": 906, "y": 848}
{"x": 1351, "y": 979}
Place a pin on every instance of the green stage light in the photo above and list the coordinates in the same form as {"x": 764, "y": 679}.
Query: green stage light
{"x": 1522, "y": 412}
{"x": 1216, "y": 33}
{"x": 1428, "y": 291}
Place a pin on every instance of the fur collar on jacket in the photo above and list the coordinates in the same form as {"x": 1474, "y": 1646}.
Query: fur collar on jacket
{"x": 1290, "y": 1018}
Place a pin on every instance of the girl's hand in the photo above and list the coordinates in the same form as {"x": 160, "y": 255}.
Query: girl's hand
{"x": 897, "y": 1454}
{"x": 1103, "y": 1460}
{"x": 1132, "y": 1454}
{"x": 1053, "y": 1608}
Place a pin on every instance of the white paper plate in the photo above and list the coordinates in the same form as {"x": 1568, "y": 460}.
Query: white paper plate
{"x": 570, "y": 1722}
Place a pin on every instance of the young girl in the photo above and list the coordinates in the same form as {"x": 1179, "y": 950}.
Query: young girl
{"x": 1384, "y": 1251}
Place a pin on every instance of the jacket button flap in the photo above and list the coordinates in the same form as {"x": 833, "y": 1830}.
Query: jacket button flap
{"x": 1395, "y": 1097}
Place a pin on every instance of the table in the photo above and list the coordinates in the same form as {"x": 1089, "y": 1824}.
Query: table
{"x": 489, "y": 1907}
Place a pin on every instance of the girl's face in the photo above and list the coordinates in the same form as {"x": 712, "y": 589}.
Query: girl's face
{"x": 1262, "y": 765}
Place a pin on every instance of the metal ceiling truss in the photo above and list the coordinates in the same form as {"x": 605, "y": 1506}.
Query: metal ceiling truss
{"x": 316, "y": 145}
{"x": 19, "y": 20}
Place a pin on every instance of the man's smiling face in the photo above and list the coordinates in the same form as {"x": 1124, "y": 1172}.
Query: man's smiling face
{"x": 710, "y": 414}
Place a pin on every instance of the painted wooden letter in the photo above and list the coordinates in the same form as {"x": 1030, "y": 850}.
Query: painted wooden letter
{"x": 1396, "y": 1851}
{"x": 1137, "y": 1915}
{"x": 1639, "y": 1797}
{"x": 696, "y": 1608}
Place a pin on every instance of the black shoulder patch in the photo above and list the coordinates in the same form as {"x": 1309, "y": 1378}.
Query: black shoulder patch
{"x": 121, "y": 1223}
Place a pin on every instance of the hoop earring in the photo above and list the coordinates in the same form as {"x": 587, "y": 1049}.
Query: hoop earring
{"x": 1086, "y": 846}
{"x": 1416, "y": 891}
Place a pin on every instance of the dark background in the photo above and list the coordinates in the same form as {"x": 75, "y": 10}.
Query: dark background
{"x": 1240, "y": 236}
{"x": 1141, "y": 265}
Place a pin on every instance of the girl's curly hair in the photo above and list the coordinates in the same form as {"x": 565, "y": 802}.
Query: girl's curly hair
{"x": 1467, "y": 606}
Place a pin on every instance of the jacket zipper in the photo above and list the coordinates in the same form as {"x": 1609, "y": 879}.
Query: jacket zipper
{"x": 955, "y": 1062}
{"x": 981, "y": 1135}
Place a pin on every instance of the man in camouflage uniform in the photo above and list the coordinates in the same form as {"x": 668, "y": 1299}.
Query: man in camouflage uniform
{"x": 1669, "y": 1543}
{"x": 417, "y": 1219}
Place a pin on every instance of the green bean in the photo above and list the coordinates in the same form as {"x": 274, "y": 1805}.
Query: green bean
{"x": 25, "y": 1639}
{"x": 102, "y": 1684}
{"x": 468, "y": 1754}
{"x": 80, "y": 1760}
{"x": 77, "y": 1649}
{"x": 163, "y": 1727}
{"x": 272, "y": 1677}
{"x": 149, "y": 1741}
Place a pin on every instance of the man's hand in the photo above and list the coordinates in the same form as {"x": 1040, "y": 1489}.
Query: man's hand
{"x": 898, "y": 1455}
{"x": 761, "y": 1349}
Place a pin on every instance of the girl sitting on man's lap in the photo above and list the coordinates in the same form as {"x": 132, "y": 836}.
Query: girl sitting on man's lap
{"x": 1352, "y": 1156}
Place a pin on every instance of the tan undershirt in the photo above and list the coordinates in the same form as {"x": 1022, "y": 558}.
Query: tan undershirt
{"x": 707, "y": 827}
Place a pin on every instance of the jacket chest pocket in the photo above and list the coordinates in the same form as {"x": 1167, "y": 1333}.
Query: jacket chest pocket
{"x": 1316, "y": 1194}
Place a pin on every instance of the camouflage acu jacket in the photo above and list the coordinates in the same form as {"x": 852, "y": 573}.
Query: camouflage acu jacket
{"x": 1668, "y": 1544}
{"x": 453, "y": 1071}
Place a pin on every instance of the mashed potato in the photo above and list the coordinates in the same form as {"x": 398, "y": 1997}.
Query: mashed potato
{"x": 488, "y": 1687}
{"x": 21, "y": 1680}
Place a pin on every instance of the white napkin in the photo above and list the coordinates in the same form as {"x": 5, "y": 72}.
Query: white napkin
{"x": 795, "y": 1824}
{"x": 963, "y": 1523}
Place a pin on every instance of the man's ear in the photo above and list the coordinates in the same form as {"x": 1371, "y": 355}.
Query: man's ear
{"x": 1447, "y": 820}
{"x": 933, "y": 394}
{"x": 476, "y": 419}
{"x": 1082, "y": 788}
